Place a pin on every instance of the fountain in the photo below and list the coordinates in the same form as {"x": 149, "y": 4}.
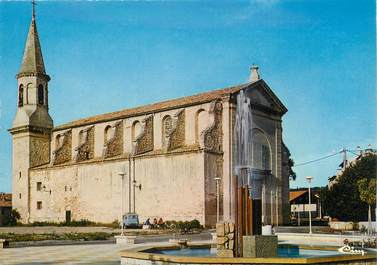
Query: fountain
{"x": 250, "y": 241}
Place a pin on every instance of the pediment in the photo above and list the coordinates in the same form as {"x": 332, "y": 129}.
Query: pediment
{"x": 262, "y": 96}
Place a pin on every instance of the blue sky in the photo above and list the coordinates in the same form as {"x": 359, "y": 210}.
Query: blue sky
{"x": 317, "y": 56}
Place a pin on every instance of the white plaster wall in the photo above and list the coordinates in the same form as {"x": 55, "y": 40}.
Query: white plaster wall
{"x": 191, "y": 127}
{"x": 172, "y": 188}
{"x": 20, "y": 165}
{"x": 99, "y": 134}
{"x": 127, "y": 136}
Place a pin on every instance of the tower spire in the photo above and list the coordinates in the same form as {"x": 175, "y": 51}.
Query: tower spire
{"x": 32, "y": 61}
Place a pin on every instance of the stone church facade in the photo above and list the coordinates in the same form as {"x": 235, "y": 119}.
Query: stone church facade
{"x": 159, "y": 160}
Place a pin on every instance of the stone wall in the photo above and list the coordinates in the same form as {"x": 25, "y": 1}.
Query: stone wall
{"x": 176, "y": 137}
{"x": 63, "y": 149}
{"x": 225, "y": 239}
{"x": 114, "y": 145}
{"x": 85, "y": 150}
{"x": 39, "y": 150}
{"x": 144, "y": 142}
{"x": 212, "y": 136}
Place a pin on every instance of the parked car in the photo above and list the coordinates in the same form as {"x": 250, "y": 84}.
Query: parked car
{"x": 131, "y": 220}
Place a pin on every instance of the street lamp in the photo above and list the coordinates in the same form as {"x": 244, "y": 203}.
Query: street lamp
{"x": 217, "y": 179}
{"x": 122, "y": 174}
{"x": 309, "y": 179}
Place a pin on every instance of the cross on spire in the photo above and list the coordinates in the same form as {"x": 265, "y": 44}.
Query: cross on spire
{"x": 33, "y": 3}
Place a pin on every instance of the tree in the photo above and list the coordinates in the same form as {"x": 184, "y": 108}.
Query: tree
{"x": 13, "y": 218}
{"x": 342, "y": 200}
{"x": 292, "y": 174}
{"x": 367, "y": 191}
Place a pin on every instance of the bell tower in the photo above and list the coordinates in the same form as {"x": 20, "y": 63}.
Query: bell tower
{"x": 32, "y": 125}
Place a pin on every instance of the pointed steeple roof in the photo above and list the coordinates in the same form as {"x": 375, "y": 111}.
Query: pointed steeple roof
{"x": 32, "y": 61}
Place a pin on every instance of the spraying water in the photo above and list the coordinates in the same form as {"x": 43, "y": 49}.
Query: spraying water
{"x": 247, "y": 176}
{"x": 243, "y": 136}
{"x": 243, "y": 165}
{"x": 243, "y": 133}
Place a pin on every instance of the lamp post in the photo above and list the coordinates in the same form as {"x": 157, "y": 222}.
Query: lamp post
{"x": 217, "y": 179}
{"x": 272, "y": 207}
{"x": 309, "y": 179}
{"x": 122, "y": 174}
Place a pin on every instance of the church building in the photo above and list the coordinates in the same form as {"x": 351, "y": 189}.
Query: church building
{"x": 159, "y": 160}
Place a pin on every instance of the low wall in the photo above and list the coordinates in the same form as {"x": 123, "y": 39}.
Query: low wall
{"x": 365, "y": 224}
{"x": 349, "y": 226}
{"x": 278, "y": 261}
{"x": 136, "y": 256}
{"x": 345, "y": 226}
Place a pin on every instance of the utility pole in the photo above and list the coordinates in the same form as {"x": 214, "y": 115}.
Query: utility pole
{"x": 134, "y": 186}
{"x": 309, "y": 179}
{"x": 129, "y": 185}
{"x": 272, "y": 206}
{"x": 344, "y": 151}
{"x": 122, "y": 174}
{"x": 298, "y": 217}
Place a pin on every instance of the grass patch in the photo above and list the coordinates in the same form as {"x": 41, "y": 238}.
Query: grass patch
{"x": 74, "y": 223}
{"x": 12, "y": 237}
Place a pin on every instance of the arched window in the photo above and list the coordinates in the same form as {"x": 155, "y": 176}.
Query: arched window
{"x": 30, "y": 94}
{"x": 167, "y": 125}
{"x": 57, "y": 141}
{"x": 41, "y": 95}
{"x": 261, "y": 151}
{"x": 21, "y": 95}
{"x": 201, "y": 122}
{"x": 136, "y": 129}
{"x": 107, "y": 135}
{"x": 81, "y": 137}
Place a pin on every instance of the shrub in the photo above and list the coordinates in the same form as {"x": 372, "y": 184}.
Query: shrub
{"x": 363, "y": 229}
{"x": 181, "y": 225}
{"x": 13, "y": 218}
{"x": 74, "y": 223}
{"x": 82, "y": 222}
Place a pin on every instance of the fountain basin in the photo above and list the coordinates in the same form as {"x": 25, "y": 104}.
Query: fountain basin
{"x": 202, "y": 254}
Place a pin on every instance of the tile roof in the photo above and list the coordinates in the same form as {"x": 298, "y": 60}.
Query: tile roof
{"x": 160, "y": 106}
{"x": 5, "y": 200}
{"x": 295, "y": 194}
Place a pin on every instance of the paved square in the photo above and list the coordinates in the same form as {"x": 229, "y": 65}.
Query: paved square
{"x": 106, "y": 254}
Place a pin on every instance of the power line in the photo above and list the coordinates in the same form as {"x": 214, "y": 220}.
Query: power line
{"x": 315, "y": 160}
{"x": 352, "y": 152}
{"x": 324, "y": 157}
